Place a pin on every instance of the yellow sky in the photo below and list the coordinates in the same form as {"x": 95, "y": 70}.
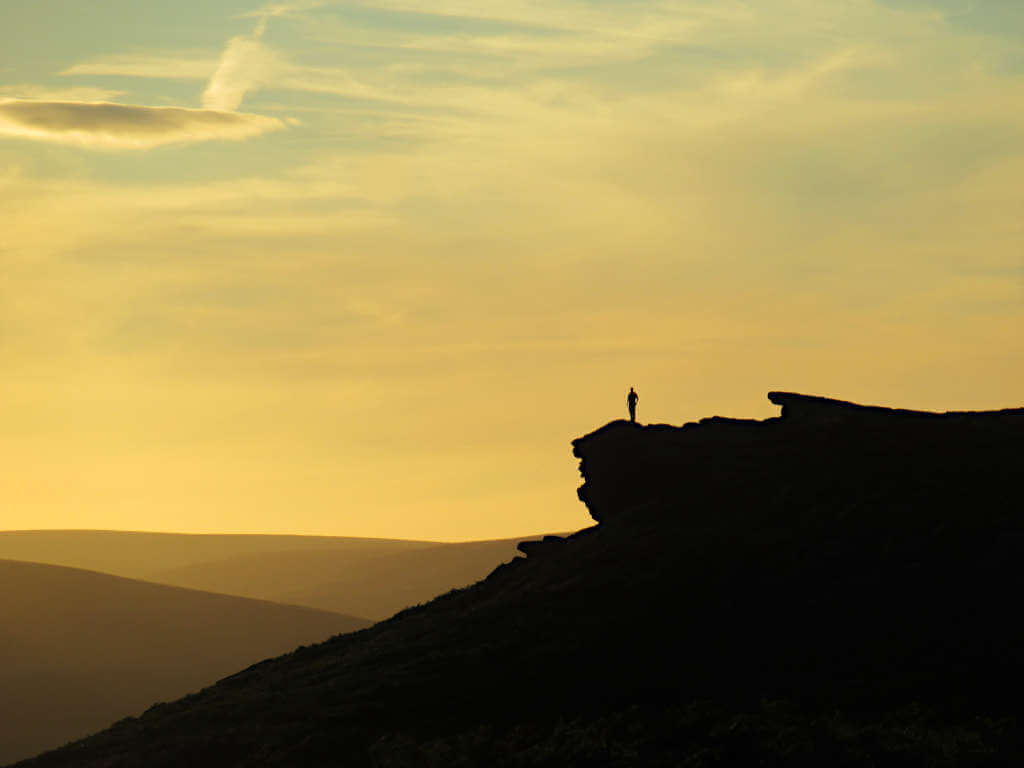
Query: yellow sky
{"x": 366, "y": 269}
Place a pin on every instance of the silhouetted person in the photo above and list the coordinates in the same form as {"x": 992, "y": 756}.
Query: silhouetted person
{"x": 631, "y": 401}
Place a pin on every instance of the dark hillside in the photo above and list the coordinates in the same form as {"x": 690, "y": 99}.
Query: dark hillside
{"x": 838, "y": 586}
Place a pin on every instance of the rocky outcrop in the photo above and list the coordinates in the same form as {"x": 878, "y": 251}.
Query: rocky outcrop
{"x": 629, "y": 467}
{"x": 824, "y": 410}
{"x": 538, "y": 547}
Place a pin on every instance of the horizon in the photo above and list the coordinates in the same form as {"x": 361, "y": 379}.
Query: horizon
{"x": 366, "y": 269}
{"x": 273, "y": 534}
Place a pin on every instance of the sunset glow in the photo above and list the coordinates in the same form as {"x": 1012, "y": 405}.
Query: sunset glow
{"x": 366, "y": 269}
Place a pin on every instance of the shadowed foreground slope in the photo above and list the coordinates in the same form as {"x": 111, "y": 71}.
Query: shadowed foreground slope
{"x": 835, "y": 587}
{"x": 79, "y": 650}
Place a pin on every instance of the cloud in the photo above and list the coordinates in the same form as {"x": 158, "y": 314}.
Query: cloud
{"x": 245, "y": 64}
{"x": 285, "y": 9}
{"x": 248, "y": 63}
{"x": 167, "y": 65}
{"x": 43, "y": 93}
{"x": 104, "y": 124}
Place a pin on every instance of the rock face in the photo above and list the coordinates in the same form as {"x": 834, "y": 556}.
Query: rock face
{"x": 837, "y": 559}
{"x": 825, "y": 411}
{"x": 628, "y": 467}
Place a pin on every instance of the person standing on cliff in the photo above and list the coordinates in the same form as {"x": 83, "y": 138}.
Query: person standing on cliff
{"x": 631, "y": 401}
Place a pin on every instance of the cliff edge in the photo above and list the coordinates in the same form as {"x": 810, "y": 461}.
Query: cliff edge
{"x": 847, "y": 452}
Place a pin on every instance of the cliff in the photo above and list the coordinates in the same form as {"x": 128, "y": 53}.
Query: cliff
{"x": 841, "y": 453}
{"x": 834, "y": 586}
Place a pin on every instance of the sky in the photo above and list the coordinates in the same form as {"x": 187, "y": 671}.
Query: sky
{"x": 367, "y": 268}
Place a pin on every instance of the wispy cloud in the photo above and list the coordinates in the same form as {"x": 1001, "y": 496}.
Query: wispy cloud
{"x": 85, "y": 116}
{"x": 103, "y": 124}
{"x": 247, "y": 63}
{"x": 44, "y": 93}
{"x": 284, "y": 9}
{"x": 167, "y": 65}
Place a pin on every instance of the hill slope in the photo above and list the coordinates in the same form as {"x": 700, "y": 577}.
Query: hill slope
{"x": 144, "y": 555}
{"x": 80, "y": 649}
{"x": 363, "y": 582}
{"x": 834, "y": 587}
{"x": 373, "y": 578}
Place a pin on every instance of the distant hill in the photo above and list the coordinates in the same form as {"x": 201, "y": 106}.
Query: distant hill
{"x": 79, "y": 649}
{"x": 364, "y": 582}
{"x": 372, "y": 578}
{"x": 140, "y": 555}
{"x": 838, "y": 586}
